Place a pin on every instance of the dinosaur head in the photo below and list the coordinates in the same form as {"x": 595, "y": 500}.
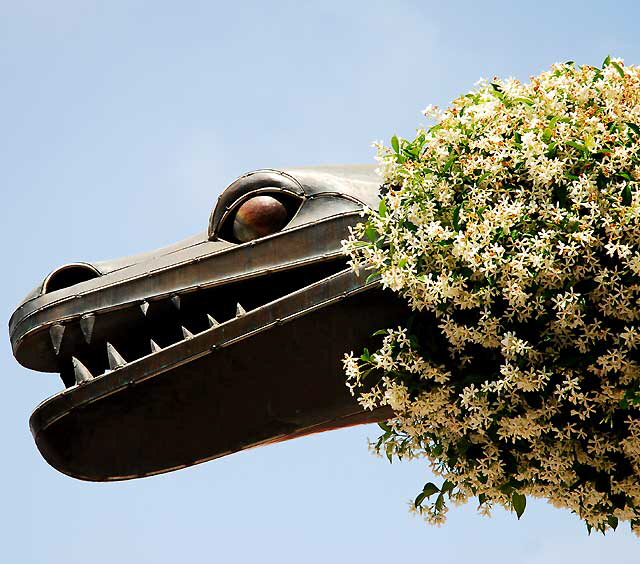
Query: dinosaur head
{"x": 228, "y": 340}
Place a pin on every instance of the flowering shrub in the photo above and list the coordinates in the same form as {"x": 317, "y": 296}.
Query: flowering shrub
{"x": 512, "y": 228}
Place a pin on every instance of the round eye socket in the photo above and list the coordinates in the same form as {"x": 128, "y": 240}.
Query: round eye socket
{"x": 259, "y": 216}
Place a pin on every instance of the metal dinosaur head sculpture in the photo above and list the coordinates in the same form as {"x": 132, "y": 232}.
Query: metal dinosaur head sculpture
{"x": 228, "y": 340}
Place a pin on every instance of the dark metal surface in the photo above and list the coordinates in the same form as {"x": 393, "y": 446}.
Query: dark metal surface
{"x": 209, "y": 346}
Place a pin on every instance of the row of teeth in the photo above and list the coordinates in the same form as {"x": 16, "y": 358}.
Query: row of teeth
{"x": 83, "y": 374}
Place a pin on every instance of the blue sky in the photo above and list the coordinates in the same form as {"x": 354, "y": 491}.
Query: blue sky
{"x": 122, "y": 121}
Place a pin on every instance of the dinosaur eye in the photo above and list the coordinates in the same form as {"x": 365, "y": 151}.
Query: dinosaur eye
{"x": 259, "y": 216}
{"x": 254, "y": 214}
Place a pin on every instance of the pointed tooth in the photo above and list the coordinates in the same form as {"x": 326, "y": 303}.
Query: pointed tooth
{"x": 86, "y": 324}
{"x": 175, "y": 300}
{"x": 154, "y": 346}
{"x": 239, "y": 310}
{"x": 56, "y": 333}
{"x": 115, "y": 358}
{"x": 82, "y": 373}
{"x": 212, "y": 321}
{"x": 186, "y": 333}
{"x": 144, "y": 306}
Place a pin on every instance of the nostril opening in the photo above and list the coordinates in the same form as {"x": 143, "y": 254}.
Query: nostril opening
{"x": 69, "y": 275}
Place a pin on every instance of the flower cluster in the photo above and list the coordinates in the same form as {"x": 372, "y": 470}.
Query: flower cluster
{"x": 512, "y": 229}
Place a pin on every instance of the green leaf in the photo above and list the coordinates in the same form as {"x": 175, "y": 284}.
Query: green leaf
{"x": 419, "y": 499}
{"x": 578, "y": 146}
{"x": 371, "y": 233}
{"x": 633, "y": 127}
{"x": 371, "y": 277}
{"x": 449, "y": 163}
{"x": 456, "y": 217}
{"x": 429, "y": 489}
{"x": 606, "y": 61}
{"x": 519, "y": 503}
{"x": 548, "y": 131}
{"x": 447, "y": 487}
{"x": 618, "y": 68}
{"x": 439, "y": 503}
{"x": 403, "y": 262}
{"x": 382, "y": 208}
{"x": 380, "y": 332}
{"x": 506, "y": 489}
{"x": 395, "y": 144}
{"x": 552, "y": 149}
{"x": 384, "y": 427}
{"x": 626, "y": 195}
{"x": 613, "y": 522}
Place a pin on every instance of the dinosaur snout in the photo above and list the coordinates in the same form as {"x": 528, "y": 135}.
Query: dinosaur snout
{"x": 157, "y": 351}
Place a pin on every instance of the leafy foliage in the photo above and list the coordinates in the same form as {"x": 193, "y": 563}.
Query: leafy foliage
{"x": 512, "y": 228}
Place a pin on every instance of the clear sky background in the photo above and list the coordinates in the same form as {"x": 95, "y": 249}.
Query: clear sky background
{"x": 121, "y": 122}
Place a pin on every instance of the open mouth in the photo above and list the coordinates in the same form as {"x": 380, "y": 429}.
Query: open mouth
{"x": 95, "y": 345}
{"x": 267, "y": 373}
